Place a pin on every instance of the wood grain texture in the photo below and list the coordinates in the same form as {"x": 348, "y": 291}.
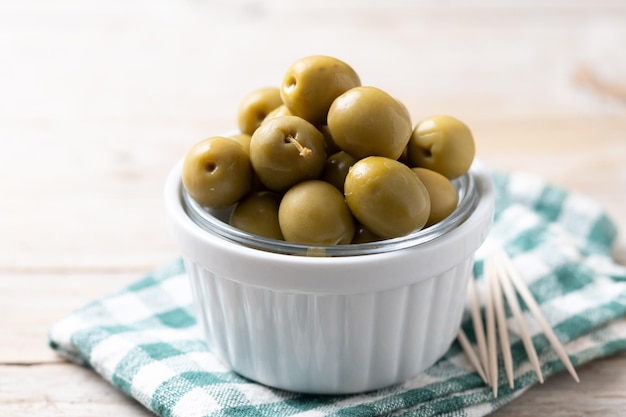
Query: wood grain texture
{"x": 99, "y": 99}
{"x": 32, "y": 302}
{"x": 61, "y": 390}
{"x": 600, "y": 393}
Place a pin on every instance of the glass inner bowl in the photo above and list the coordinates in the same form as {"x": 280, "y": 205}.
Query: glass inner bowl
{"x": 216, "y": 222}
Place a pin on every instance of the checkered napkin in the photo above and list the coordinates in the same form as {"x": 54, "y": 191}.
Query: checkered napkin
{"x": 144, "y": 339}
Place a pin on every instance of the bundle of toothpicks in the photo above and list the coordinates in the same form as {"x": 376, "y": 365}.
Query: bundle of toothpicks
{"x": 500, "y": 278}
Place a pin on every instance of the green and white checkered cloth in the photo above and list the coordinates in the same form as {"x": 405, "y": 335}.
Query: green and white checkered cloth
{"x": 144, "y": 339}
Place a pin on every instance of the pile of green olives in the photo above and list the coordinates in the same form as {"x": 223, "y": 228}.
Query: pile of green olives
{"x": 325, "y": 160}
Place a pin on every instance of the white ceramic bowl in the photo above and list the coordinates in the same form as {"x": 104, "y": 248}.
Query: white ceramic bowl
{"x": 363, "y": 318}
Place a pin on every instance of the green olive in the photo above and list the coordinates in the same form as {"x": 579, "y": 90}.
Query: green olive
{"x": 404, "y": 157}
{"x": 329, "y": 143}
{"x": 315, "y": 212}
{"x": 243, "y": 139}
{"x": 366, "y": 121}
{"x": 443, "y": 196}
{"x": 285, "y": 151}
{"x": 363, "y": 235}
{"x": 257, "y": 213}
{"x": 386, "y": 197}
{"x": 337, "y": 167}
{"x": 217, "y": 172}
{"x": 442, "y": 144}
{"x": 256, "y": 106}
{"x": 281, "y": 110}
{"x": 311, "y": 84}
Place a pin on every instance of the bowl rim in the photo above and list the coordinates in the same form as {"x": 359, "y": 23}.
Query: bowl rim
{"x": 216, "y": 221}
{"x": 339, "y": 274}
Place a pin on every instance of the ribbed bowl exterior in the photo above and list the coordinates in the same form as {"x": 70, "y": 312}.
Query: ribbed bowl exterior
{"x": 329, "y": 343}
{"x": 330, "y": 324}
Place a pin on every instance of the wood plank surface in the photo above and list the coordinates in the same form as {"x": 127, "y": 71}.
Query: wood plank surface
{"x": 99, "y": 99}
{"x": 40, "y": 299}
{"x": 61, "y": 389}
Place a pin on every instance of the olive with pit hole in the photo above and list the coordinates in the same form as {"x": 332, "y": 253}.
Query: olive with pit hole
{"x": 311, "y": 84}
{"x": 285, "y": 151}
{"x": 255, "y": 107}
{"x": 217, "y": 172}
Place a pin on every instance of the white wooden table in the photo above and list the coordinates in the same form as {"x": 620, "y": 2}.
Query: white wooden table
{"x": 99, "y": 99}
